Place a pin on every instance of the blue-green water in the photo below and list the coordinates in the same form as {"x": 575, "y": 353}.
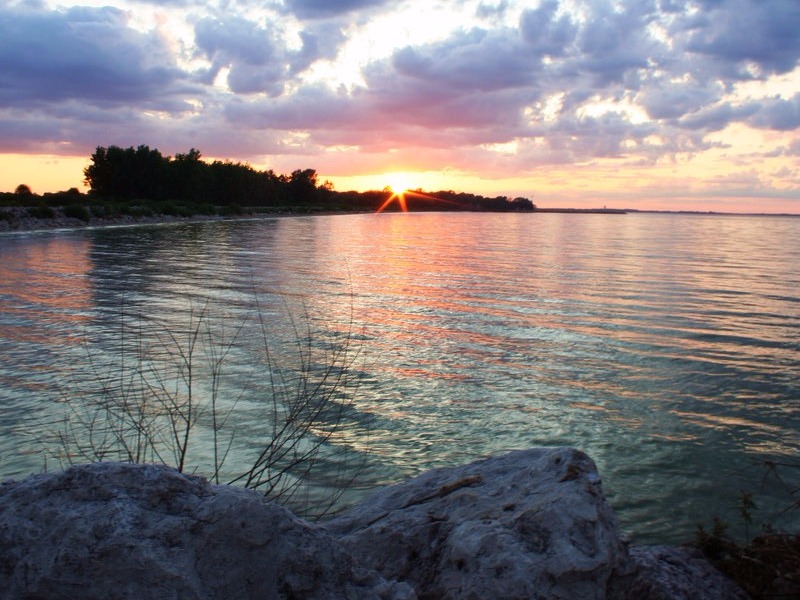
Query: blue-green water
{"x": 666, "y": 346}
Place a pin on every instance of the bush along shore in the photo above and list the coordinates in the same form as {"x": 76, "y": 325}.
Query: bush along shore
{"x": 33, "y": 218}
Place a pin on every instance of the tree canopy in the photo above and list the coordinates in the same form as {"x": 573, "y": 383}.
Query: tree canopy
{"x": 144, "y": 174}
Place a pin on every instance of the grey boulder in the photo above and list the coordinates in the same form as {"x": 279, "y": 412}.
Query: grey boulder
{"x": 530, "y": 524}
{"x": 111, "y": 530}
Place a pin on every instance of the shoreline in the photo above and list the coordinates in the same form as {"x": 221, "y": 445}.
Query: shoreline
{"x": 22, "y": 222}
{"x": 17, "y": 219}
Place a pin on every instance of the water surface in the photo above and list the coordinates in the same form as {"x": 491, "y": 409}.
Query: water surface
{"x": 666, "y": 346}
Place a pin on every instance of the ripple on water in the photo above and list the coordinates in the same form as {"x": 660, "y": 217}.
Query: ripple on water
{"x": 664, "y": 345}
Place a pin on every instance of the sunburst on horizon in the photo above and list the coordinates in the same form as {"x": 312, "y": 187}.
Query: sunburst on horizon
{"x": 393, "y": 195}
{"x": 398, "y": 185}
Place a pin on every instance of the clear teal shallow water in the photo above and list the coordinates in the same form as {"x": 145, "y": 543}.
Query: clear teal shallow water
{"x": 666, "y": 346}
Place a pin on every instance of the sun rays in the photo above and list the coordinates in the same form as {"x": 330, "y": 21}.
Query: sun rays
{"x": 401, "y": 197}
{"x": 402, "y": 188}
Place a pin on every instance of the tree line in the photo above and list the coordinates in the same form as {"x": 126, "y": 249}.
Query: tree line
{"x": 144, "y": 174}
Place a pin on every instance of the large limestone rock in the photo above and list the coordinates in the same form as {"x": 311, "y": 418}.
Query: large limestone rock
{"x": 132, "y": 531}
{"x": 531, "y": 524}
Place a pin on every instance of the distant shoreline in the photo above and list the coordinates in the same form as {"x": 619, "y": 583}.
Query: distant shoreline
{"x": 625, "y": 211}
{"x": 19, "y": 221}
{"x": 585, "y": 211}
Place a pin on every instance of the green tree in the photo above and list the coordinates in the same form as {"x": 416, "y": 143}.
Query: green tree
{"x": 127, "y": 173}
{"x": 303, "y": 186}
{"x": 188, "y": 177}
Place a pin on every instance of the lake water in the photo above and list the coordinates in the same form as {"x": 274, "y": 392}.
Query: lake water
{"x": 666, "y": 346}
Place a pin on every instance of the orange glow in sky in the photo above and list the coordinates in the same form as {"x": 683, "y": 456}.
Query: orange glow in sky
{"x": 42, "y": 172}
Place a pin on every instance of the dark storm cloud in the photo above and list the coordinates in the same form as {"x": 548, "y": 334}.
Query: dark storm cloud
{"x": 82, "y": 53}
{"x": 320, "y": 9}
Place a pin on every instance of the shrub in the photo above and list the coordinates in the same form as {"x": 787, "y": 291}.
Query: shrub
{"x": 157, "y": 398}
{"x": 174, "y": 209}
{"x": 136, "y": 210}
{"x": 41, "y": 211}
{"x": 206, "y": 209}
{"x": 77, "y": 211}
{"x": 767, "y": 566}
{"x": 230, "y": 210}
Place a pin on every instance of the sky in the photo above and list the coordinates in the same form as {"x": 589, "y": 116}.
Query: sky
{"x": 648, "y": 104}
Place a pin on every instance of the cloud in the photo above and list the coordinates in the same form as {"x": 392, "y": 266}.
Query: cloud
{"x": 490, "y": 11}
{"x": 717, "y": 117}
{"x": 793, "y": 149}
{"x": 546, "y": 33}
{"x": 665, "y": 99}
{"x": 258, "y": 57}
{"x": 86, "y": 54}
{"x": 321, "y": 9}
{"x": 507, "y": 85}
{"x": 471, "y": 81}
{"x": 778, "y": 114}
{"x": 614, "y": 42}
{"x": 310, "y": 108}
{"x": 739, "y": 32}
{"x": 254, "y": 54}
{"x": 472, "y": 61}
{"x": 319, "y": 42}
{"x": 491, "y": 86}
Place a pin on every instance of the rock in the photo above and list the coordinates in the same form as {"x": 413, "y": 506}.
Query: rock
{"x": 674, "y": 573}
{"x": 133, "y": 531}
{"x": 531, "y": 524}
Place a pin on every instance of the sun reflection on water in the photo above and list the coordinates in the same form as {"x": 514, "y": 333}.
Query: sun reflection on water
{"x": 665, "y": 346}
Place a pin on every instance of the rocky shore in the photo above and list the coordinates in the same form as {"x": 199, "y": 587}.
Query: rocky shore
{"x": 21, "y": 219}
{"x": 529, "y": 524}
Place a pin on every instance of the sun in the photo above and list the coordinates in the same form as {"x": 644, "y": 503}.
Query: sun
{"x": 398, "y": 185}
{"x": 399, "y": 182}
{"x": 400, "y": 188}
